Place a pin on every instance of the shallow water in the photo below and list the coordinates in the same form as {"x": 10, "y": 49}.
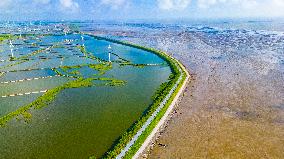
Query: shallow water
{"x": 80, "y": 122}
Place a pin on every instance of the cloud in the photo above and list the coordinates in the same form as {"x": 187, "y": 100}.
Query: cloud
{"x": 115, "y": 4}
{"x": 42, "y": 1}
{"x": 211, "y": 3}
{"x": 76, "y": 9}
{"x": 5, "y": 3}
{"x": 206, "y": 3}
{"x": 245, "y": 8}
{"x": 272, "y": 8}
{"x": 173, "y": 4}
{"x": 39, "y": 9}
{"x": 69, "y": 5}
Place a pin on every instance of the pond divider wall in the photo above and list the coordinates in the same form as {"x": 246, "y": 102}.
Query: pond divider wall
{"x": 133, "y": 142}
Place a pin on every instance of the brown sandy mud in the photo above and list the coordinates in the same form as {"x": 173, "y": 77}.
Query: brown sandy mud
{"x": 233, "y": 107}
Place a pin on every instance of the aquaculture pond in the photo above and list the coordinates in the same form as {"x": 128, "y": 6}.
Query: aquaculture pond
{"x": 60, "y": 97}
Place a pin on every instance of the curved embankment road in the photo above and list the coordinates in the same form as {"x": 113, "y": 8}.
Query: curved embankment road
{"x": 168, "y": 102}
{"x": 162, "y": 121}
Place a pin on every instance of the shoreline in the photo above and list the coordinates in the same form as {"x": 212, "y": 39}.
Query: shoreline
{"x": 163, "y": 120}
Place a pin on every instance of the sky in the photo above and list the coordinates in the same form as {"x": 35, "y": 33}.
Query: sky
{"x": 138, "y": 9}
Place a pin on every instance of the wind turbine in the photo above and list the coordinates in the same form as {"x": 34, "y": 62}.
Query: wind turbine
{"x": 109, "y": 51}
{"x": 11, "y": 47}
{"x": 65, "y": 34}
{"x": 61, "y": 61}
{"x": 20, "y": 32}
{"x": 82, "y": 38}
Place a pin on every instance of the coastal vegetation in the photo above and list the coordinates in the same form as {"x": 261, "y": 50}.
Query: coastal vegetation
{"x": 121, "y": 60}
{"x": 89, "y": 54}
{"x": 22, "y": 59}
{"x": 112, "y": 81}
{"x": 4, "y": 37}
{"x": 25, "y": 58}
{"x": 101, "y": 67}
{"x": 65, "y": 70}
{"x": 51, "y": 94}
{"x": 45, "y": 99}
{"x": 78, "y": 80}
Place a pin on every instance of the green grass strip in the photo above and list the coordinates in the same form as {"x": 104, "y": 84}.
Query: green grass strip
{"x": 51, "y": 94}
{"x": 45, "y": 99}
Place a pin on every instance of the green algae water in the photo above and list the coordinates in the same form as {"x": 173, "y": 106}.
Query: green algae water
{"x": 82, "y": 120}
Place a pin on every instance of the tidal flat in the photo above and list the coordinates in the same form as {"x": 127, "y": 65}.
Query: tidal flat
{"x": 233, "y": 106}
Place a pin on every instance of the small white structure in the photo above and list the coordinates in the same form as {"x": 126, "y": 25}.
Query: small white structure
{"x": 11, "y": 45}
{"x": 65, "y": 34}
{"x": 11, "y": 48}
{"x": 61, "y": 62}
{"x": 20, "y": 31}
{"x": 82, "y": 38}
{"x": 109, "y": 51}
{"x": 12, "y": 52}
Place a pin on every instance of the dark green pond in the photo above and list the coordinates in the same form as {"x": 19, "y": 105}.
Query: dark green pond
{"x": 80, "y": 122}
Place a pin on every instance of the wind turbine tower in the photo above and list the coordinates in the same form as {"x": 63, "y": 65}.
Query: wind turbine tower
{"x": 82, "y": 38}
{"x": 109, "y": 51}
{"x": 11, "y": 47}
{"x": 61, "y": 61}
{"x": 20, "y": 32}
